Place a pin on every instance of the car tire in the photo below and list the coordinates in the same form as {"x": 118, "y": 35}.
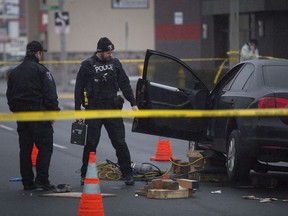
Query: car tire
{"x": 237, "y": 163}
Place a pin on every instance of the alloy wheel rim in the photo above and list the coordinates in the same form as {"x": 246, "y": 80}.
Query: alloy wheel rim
{"x": 231, "y": 155}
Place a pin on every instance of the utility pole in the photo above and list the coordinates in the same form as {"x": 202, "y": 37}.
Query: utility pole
{"x": 234, "y": 28}
{"x": 32, "y": 24}
{"x": 126, "y": 35}
{"x": 63, "y": 50}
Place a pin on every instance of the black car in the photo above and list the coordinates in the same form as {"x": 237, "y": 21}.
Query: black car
{"x": 247, "y": 142}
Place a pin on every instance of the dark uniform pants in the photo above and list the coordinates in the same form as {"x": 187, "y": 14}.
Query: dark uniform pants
{"x": 116, "y": 132}
{"x": 40, "y": 133}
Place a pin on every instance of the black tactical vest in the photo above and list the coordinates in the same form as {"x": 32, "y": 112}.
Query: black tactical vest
{"x": 104, "y": 80}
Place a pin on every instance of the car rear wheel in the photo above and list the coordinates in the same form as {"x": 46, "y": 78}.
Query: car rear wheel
{"x": 237, "y": 162}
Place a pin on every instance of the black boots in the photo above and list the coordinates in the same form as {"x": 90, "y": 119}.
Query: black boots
{"x": 128, "y": 179}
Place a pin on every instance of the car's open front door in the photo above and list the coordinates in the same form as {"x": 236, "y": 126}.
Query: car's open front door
{"x": 168, "y": 83}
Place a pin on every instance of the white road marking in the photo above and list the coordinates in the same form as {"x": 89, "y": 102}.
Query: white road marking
{"x": 11, "y": 129}
{"x": 6, "y": 128}
{"x": 59, "y": 146}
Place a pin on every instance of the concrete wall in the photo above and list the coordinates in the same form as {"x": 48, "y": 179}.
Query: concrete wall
{"x": 128, "y": 29}
{"x": 182, "y": 40}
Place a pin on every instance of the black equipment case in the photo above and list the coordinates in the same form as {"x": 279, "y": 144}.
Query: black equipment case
{"x": 78, "y": 133}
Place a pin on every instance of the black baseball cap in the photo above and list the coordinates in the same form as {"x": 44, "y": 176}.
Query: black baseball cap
{"x": 35, "y": 46}
{"x": 104, "y": 44}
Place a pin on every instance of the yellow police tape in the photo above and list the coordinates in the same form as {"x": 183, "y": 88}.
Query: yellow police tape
{"x": 229, "y": 53}
{"x": 91, "y": 114}
{"x": 122, "y": 61}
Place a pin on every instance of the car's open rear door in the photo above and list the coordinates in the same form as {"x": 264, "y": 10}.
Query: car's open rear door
{"x": 168, "y": 83}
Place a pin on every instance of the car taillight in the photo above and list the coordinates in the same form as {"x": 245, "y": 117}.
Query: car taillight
{"x": 271, "y": 102}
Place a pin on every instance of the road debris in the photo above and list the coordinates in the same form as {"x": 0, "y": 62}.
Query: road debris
{"x": 261, "y": 200}
{"x": 216, "y": 192}
{"x": 166, "y": 189}
{"x": 265, "y": 200}
{"x": 250, "y": 197}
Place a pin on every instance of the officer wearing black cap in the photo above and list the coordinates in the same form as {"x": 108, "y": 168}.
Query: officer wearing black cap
{"x": 31, "y": 87}
{"x": 101, "y": 76}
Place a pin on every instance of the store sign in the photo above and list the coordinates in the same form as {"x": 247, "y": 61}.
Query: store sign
{"x": 9, "y": 9}
{"x": 129, "y": 4}
{"x": 17, "y": 46}
{"x": 62, "y": 22}
{"x": 178, "y": 18}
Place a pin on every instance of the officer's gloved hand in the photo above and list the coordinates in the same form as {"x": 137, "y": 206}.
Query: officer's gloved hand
{"x": 135, "y": 108}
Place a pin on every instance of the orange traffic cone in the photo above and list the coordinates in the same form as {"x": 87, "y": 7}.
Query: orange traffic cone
{"x": 163, "y": 152}
{"x": 91, "y": 202}
{"x": 34, "y": 155}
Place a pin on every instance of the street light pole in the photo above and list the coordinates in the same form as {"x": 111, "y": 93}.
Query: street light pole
{"x": 6, "y": 32}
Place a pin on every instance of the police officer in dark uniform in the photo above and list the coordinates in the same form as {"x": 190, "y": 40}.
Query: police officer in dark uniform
{"x": 31, "y": 87}
{"x": 101, "y": 76}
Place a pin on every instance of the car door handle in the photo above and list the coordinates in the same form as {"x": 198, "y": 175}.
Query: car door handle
{"x": 175, "y": 106}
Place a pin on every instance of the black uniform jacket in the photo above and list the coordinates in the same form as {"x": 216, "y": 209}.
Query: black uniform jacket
{"x": 31, "y": 87}
{"x": 86, "y": 75}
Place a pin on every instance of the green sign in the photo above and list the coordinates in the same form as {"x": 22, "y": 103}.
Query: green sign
{"x": 49, "y": 7}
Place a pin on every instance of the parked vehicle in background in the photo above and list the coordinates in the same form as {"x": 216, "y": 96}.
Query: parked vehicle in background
{"x": 247, "y": 142}
{"x": 12, "y": 62}
{"x": 4, "y": 71}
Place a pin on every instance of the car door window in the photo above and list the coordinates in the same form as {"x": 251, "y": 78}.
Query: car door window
{"x": 242, "y": 78}
{"x": 169, "y": 72}
{"x": 248, "y": 82}
{"x": 275, "y": 76}
{"x": 225, "y": 83}
{"x": 228, "y": 84}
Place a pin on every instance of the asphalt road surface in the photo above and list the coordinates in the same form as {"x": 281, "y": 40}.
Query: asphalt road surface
{"x": 211, "y": 199}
